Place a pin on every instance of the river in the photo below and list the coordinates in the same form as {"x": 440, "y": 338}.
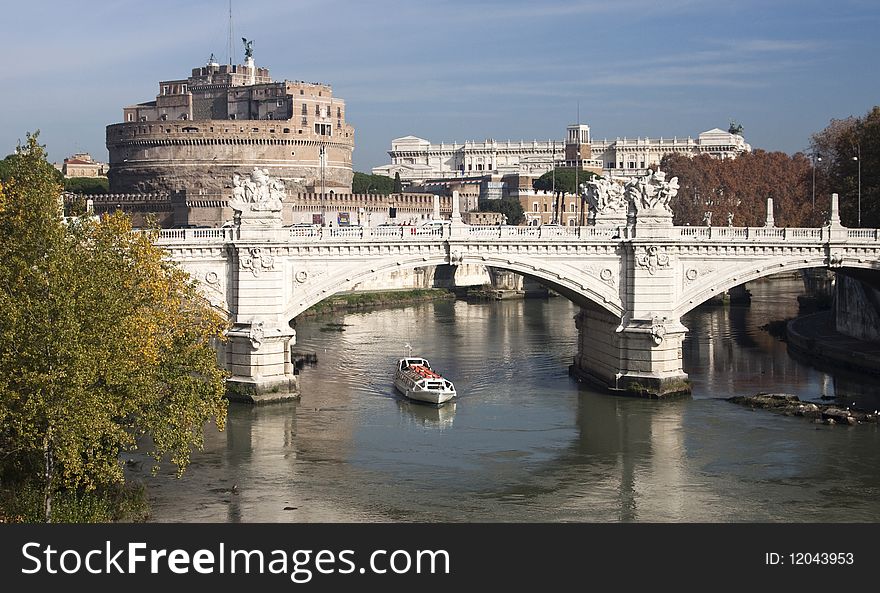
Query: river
{"x": 525, "y": 442}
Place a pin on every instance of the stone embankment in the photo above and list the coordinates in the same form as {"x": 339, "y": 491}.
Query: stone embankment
{"x": 815, "y": 338}
{"x": 791, "y": 405}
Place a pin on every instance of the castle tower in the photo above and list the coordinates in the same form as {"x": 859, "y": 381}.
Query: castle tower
{"x": 227, "y": 119}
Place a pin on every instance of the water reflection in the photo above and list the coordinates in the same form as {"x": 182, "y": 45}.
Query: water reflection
{"x": 425, "y": 415}
{"x": 524, "y": 442}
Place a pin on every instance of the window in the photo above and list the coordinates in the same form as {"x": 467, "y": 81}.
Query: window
{"x": 339, "y": 112}
{"x": 317, "y": 110}
{"x": 535, "y": 207}
{"x": 610, "y": 165}
{"x": 164, "y": 89}
{"x": 279, "y": 103}
{"x": 305, "y": 110}
{"x": 183, "y": 89}
{"x": 632, "y": 164}
{"x": 545, "y": 206}
{"x": 572, "y": 207}
{"x": 130, "y": 117}
{"x": 642, "y": 165}
{"x": 571, "y": 222}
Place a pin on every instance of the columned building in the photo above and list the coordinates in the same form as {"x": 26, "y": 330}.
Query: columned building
{"x": 418, "y": 160}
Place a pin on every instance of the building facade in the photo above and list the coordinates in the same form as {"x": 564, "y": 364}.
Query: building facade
{"x": 228, "y": 119}
{"x": 418, "y": 160}
{"x": 82, "y": 164}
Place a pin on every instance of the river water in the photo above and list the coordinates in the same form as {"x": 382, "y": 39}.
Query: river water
{"x": 525, "y": 442}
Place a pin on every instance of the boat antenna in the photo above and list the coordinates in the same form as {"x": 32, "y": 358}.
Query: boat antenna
{"x": 408, "y": 349}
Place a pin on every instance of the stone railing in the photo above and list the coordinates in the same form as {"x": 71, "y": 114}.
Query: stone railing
{"x": 379, "y": 234}
{"x": 726, "y": 233}
{"x": 869, "y": 234}
{"x": 213, "y": 235}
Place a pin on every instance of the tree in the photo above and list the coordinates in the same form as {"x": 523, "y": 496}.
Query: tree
{"x": 364, "y": 183}
{"x": 741, "y": 187}
{"x": 87, "y": 185}
{"x": 102, "y": 343}
{"x": 510, "y": 208}
{"x": 398, "y": 186}
{"x": 564, "y": 179}
{"x": 841, "y": 144}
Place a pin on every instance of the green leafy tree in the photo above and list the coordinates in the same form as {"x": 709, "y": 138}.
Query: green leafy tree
{"x": 364, "y": 183}
{"x": 510, "y": 208}
{"x": 563, "y": 179}
{"x": 87, "y": 185}
{"x": 102, "y": 343}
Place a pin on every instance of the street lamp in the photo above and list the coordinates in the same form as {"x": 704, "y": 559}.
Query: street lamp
{"x": 858, "y": 159}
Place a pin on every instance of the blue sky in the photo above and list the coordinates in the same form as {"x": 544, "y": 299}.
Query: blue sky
{"x": 459, "y": 70}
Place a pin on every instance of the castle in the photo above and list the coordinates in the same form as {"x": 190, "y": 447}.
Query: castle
{"x": 227, "y": 119}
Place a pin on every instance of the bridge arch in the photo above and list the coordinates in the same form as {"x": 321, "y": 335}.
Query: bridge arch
{"x": 728, "y": 278}
{"x": 582, "y": 290}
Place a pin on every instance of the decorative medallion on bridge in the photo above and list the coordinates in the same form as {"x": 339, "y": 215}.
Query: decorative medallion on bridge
{"x": 653, "y": 258}
{"x": 256, "y": 334}
{"x": 658, "y": 330}
{"x": 301, "y": 276}
{"x": 211, "y": 289}
{"x": 256, "y": 261}
{"x": 693, "y": 273}
{"x": 455, "y": 257}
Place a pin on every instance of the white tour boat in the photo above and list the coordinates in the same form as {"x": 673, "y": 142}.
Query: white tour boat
{"x": 415, "y": 379}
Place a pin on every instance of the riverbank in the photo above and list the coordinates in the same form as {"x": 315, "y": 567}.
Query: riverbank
{"x": 364, "y": 300}
{"x": 814, "y": 339}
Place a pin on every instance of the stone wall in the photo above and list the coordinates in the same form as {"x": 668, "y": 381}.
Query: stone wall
{"x": 857, "y": 309}
{"x": 202, "y": 156}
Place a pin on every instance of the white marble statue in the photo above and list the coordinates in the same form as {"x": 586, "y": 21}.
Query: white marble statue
{"x": 259, "y": 193}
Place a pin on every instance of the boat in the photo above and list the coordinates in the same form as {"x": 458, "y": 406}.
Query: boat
{"x": 416, "y": 380}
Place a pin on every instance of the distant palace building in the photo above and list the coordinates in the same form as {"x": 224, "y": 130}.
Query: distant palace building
{"x": 82, "y": 164}
{"x": 419, "y": 161}
{"x": 227, "y": 119}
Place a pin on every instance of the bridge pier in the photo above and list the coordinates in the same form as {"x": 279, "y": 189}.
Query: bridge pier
{"x": 261, "y": 367}
{"x": 640, "y": 357}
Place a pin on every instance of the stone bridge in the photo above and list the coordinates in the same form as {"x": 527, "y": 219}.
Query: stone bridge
{"x": 632, "y": 275}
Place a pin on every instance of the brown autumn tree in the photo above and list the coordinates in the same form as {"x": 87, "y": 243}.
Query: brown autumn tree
{"x": 741, "y": 187}
{"x": 850, "y": 153}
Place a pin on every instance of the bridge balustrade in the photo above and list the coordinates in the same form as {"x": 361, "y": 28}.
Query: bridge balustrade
{"x": 751, "y": 233}
{"x": 872, "y": 234}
